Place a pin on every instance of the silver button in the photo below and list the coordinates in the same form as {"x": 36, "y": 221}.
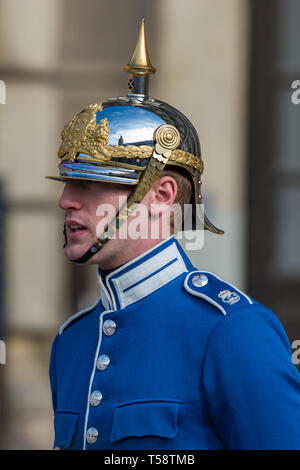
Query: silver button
{"x": 91, "y": 435}
{"x": 95, "y": 397}
{"x": 103, "y": 362}
{"x": 109, "y": 327}
{"x": 199, "y": 280}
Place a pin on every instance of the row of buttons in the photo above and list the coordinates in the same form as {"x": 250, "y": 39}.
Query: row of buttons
{"x": 109, "y": 328}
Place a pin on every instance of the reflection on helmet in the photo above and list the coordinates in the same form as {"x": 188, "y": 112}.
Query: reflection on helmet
{"x": 113, "y": 140}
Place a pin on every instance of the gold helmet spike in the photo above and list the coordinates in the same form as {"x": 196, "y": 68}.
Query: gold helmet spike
{"x": 140, "y": 62}
{"x": 139, "y": 67}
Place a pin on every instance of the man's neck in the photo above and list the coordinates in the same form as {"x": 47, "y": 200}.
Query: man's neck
{"x": 105, "y": 272}
{"x": 129, "y": 253}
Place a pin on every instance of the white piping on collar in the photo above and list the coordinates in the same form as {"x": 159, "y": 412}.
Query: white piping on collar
{"x": 106, "y": 297}
{"x": 166, "y": 273}
{"x": 145, "y": 269}
{"x": 166, "y": 265}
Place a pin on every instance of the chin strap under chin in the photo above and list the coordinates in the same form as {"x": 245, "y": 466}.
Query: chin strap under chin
{"x": 65, "y": 236}
{"x": 167, "y": 138}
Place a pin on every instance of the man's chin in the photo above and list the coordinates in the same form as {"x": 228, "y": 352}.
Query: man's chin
{"x": 75, "y": 252}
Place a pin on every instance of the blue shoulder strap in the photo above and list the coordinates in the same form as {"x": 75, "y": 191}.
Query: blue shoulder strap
{"x": 217, "y": 292}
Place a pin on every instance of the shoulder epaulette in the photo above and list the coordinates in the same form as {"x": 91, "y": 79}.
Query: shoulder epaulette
{"x": 215, "y": 291}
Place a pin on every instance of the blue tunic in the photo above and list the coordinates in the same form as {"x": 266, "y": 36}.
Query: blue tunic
{"x": 173, "y": 358}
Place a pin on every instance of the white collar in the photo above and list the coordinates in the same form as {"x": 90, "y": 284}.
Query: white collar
{"x": 143, "y": 275}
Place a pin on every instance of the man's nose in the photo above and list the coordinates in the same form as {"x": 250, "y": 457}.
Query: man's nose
{"x": 68, "y": 199}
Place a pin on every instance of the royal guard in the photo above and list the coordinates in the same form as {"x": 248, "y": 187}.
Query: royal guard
{"x": 170, "y": 357}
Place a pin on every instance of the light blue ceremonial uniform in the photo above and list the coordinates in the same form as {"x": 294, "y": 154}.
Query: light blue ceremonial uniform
{"x": 173, "y": 358}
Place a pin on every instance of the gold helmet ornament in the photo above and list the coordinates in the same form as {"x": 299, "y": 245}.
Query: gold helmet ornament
{"x": 130, "y": 140}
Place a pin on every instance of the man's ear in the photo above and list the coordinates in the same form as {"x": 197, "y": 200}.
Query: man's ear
{"x": 162, "y": 195}
{"x": 165, "y": 190}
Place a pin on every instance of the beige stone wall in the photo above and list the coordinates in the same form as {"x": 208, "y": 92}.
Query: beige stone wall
{"x": 34, "y": 271}
{"x": 56, "y": 56}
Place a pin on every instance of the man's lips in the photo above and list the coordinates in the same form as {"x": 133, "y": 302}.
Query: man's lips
{"x": 75, "y": 228}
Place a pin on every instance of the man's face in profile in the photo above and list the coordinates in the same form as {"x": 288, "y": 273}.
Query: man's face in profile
{"x": 80, "y": 200}
{"x": 90, "y": 205}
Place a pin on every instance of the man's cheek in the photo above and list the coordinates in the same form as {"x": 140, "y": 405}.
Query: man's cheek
{"x": 107, "y": 213}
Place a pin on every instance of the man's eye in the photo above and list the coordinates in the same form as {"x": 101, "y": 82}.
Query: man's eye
{"x": 86, "y": 184}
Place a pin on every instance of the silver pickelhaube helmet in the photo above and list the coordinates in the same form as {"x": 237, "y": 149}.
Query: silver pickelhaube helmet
{"x": 130, "y": 140}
